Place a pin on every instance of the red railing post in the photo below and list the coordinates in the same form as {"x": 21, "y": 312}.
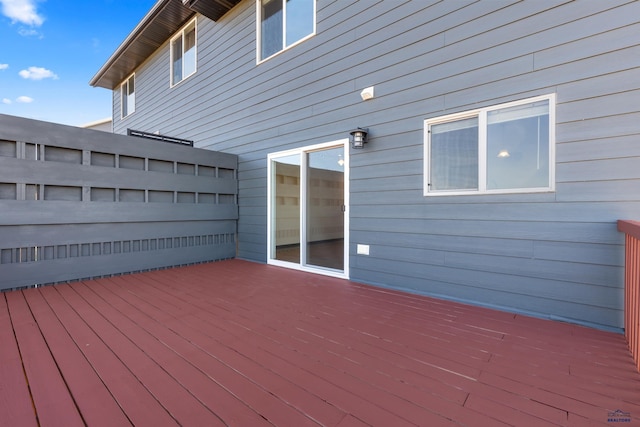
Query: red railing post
{"x": 632, "y": 287}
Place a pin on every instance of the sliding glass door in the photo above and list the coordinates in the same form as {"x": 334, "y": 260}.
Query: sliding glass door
{"x": 307, "y": 209}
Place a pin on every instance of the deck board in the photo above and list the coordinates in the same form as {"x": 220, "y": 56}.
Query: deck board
{"x": 189, "y": 370}
{"x": 162, "y": 371}
{"x": 189, "y": 326}
{"x": 245, "y": 344}
{"x": 132, "y": 396}
{"x": 214, "y": 353}
{"x": 96, "y": 404}
{"x": 48, "y": 388}
{"x": 15, "y": 401}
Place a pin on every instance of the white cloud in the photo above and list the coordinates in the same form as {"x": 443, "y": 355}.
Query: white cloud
{"x": 24, "y": 99}
{"x": 6, "y": 101}
{"x": 37, "y": 73}
{"x": 29, "y": 32}
{"x": 4, "y": 66}
{"x": 23, "y": 11}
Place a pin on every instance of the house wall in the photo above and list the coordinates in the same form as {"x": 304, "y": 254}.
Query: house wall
{"x": 78, "y": 203}
{"x": 554, "y": 254}
{"x": 104, "y": 125}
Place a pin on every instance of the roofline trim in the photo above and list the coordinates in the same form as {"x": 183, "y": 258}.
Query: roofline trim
{"x": 133, "y": 35}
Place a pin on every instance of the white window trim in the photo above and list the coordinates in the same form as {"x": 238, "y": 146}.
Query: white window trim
{"x": 126, "y": 82}
{"x": 481, "y": 113}
{"x": 284, "y": 30}
{"x": 175, "y": 36}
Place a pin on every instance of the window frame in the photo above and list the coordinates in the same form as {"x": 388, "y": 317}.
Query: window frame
{"x": 284, "y": 30}
{"x": 125, "y": 87}
{"x": 181, "y": 33}
{"x": 481, "y": 114}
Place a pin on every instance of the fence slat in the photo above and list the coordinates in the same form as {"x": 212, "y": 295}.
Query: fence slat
{"x": 635, "y": 303}
{"x": 632, "y": 287}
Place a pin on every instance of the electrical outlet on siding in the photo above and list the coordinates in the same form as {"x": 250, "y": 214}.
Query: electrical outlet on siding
{"x": 362, "y": 249}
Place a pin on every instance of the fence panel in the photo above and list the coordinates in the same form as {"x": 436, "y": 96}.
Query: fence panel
{"x": 78, "y": 203}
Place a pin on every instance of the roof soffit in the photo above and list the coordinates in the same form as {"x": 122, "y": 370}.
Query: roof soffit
{"x": 163, "y": 20}
{"x": 212, "y": 9}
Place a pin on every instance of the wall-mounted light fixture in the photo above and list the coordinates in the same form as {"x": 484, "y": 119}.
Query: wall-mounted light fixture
{"x": 367, "y": 93}
{"x": 358, "y": 137}
{"x": 503, "y": 154}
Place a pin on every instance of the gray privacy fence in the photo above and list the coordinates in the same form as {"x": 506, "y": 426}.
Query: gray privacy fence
{"x": 78, "y": 203}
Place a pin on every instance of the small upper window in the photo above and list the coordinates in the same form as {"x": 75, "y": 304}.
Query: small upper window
{"x": 128, "y": 96}
{"x": 283, "y": 23}
{"x": 183, "y": 53}
{"x": 508, "y": 148}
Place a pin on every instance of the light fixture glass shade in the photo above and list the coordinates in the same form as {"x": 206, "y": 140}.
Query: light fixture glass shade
{"x": 503, "y": 154}
{"x": 358, "y": 137}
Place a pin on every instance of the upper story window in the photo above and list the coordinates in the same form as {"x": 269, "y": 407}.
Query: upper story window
{"x": 508, "y": 148}
{"x": 283, "y": 23}
{"x": 128, "y": 96}
{"x": 183, "y": 53}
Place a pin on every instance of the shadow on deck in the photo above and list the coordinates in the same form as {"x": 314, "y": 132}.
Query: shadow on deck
{"x": 245, "y": 344}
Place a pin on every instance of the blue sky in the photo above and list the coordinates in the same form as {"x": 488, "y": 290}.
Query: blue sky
{"x": 50, "y": 49}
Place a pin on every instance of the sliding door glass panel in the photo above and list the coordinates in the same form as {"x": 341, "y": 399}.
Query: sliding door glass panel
{"x": 325, "y": 208}
{"x": 286, "y": 209}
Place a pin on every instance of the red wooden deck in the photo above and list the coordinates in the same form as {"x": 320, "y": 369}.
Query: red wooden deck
{"x": 245, "y": 344}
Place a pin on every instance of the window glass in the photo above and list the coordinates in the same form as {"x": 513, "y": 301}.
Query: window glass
{"x": 272, "y": 22}
{"x": 284, "y": 23}
{"x": 518, "y": 147}
{"x": 299, "y": 20}
{"x": 123, "y": 100}
{"x": 454, "y": 155}
{"x": 183, "y": 53}
{"x": 501, "y": 149}
{"x": 131, "y": 98}
{"x": 128, "y": 96}
{"x": 176, "y": 51}
{"x": 190, "y": 50}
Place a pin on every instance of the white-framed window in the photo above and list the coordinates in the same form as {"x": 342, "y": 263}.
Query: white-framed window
{"x": 282, "y": 24}
{"x": 507, "y": 148}
{"x": 183, "y": 53}
{"x": 128, "y": 96}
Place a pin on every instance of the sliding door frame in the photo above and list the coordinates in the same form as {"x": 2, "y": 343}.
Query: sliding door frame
{"x": 304, "y": 205}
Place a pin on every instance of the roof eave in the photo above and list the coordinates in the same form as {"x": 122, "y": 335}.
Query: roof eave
{"x": 162, "y": 21}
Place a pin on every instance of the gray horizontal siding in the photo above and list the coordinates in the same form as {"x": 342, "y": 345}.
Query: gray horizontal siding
{"x": 552, "y": 254}
{"x": 488, "y": 289}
